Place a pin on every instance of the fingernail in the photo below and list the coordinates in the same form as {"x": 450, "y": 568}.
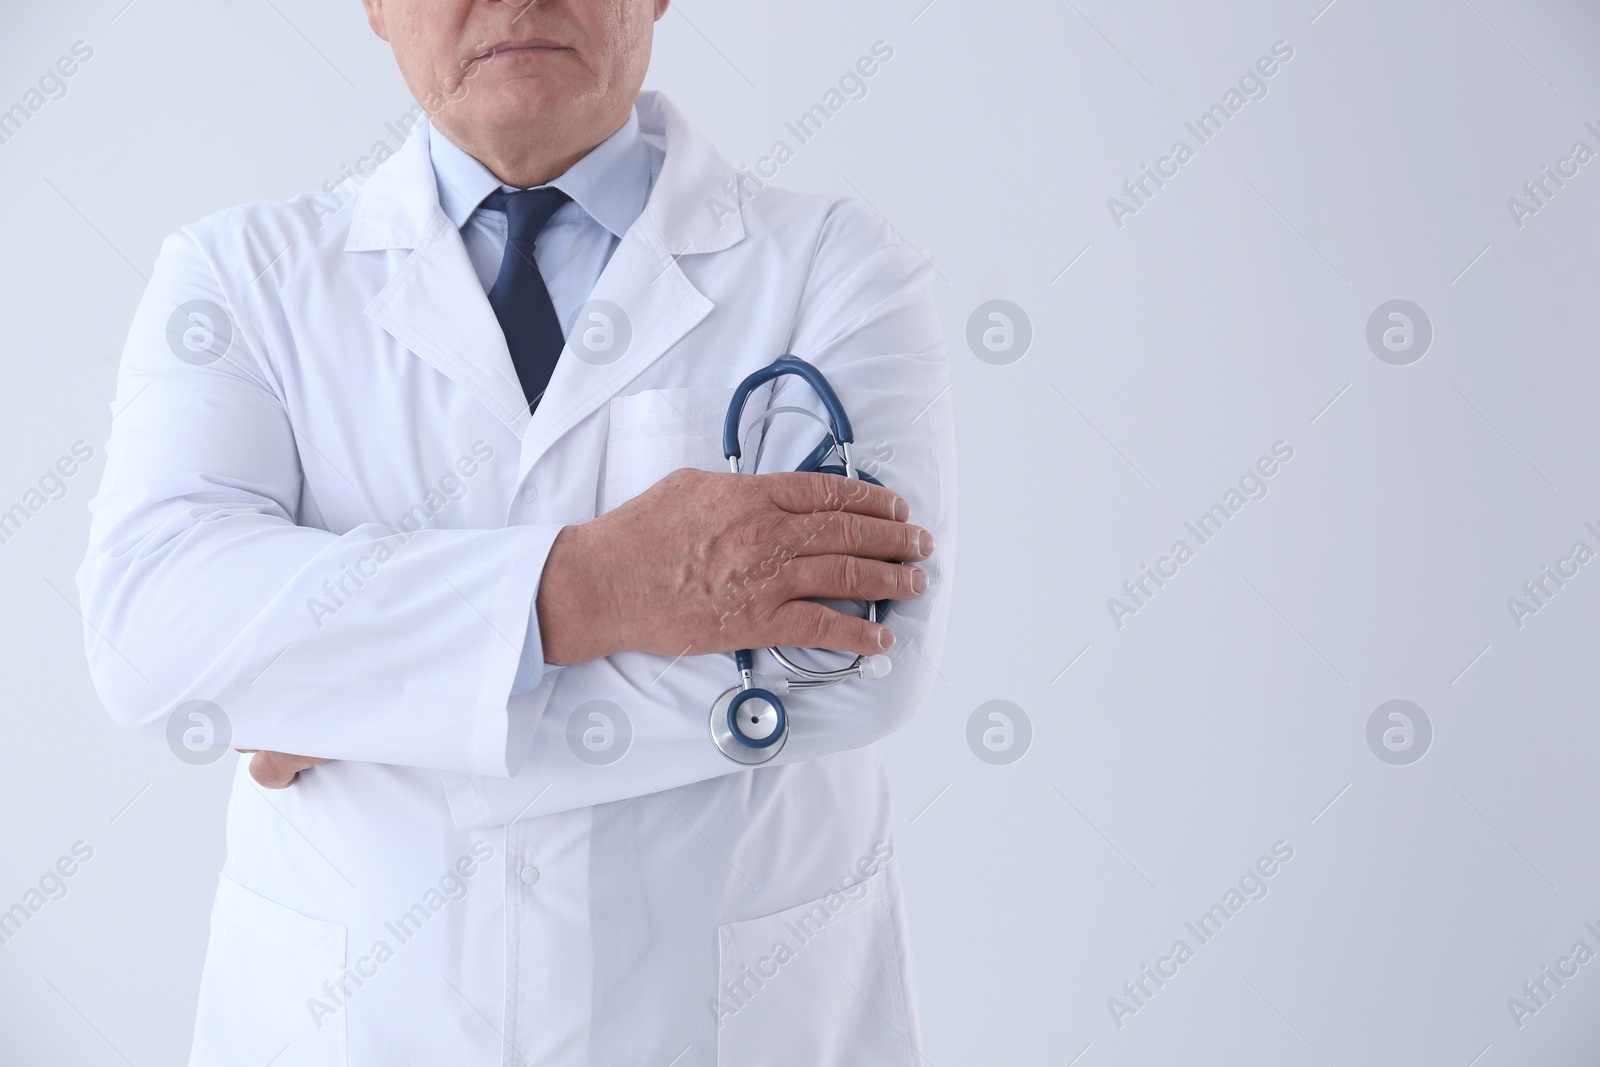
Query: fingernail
{"x": 919, "y": 581}
{"x": 885, "y": 638}
{"x": 925, "y": 543}
{"x": 902, "y": 510}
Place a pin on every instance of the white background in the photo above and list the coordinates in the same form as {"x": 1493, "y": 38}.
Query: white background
{"x": 1229, "y": 313}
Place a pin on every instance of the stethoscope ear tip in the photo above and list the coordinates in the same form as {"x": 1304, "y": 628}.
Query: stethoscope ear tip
{"x": 877, "y": 666}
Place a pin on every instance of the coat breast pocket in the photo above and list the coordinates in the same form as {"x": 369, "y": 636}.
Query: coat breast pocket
{"x": 825, "y": 982}
{"x": 654, "y": 432}
{"x": 263, "y": 994}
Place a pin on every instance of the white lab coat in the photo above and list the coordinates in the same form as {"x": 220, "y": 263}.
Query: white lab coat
{"x": 460, "y": 887}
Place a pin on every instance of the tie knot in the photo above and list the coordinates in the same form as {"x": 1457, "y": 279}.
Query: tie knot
{"x": 527, "y": 210}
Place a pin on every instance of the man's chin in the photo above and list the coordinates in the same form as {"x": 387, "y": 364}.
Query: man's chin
{"x": 518, "y": 101}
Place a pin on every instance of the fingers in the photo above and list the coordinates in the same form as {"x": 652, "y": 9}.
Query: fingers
{"x": 278, "y": 770}
{"x": 802, "y": 624}
{"x": 844, "y": 533}
{"x": 804, "y": 492}
{"x": 839, "y": 577}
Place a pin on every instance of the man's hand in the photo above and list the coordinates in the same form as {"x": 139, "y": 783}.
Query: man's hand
{"x": 278, "y": 770}
{"x": 703, "y": 562}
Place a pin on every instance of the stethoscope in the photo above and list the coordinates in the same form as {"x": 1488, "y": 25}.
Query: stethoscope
{"x": 749, "y": 724}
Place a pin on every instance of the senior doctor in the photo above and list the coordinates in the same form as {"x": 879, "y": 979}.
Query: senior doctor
{"x": 364, "y": 504}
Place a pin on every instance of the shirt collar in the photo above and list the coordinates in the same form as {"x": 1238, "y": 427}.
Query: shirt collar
{"x": 611, "y": 183}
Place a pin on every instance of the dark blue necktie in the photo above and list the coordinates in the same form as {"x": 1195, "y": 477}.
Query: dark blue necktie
{"x": 519, "y": 298}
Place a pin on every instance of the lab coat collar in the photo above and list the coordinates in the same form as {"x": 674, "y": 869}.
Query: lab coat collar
{"x": 611, "y": 183}
{"x": 689, "y": 207}
{"x": 434, "y": 302}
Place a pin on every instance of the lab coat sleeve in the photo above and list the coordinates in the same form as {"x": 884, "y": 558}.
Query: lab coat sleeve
{"x": 198, "y": 584}
{"x": 868, "y": 319}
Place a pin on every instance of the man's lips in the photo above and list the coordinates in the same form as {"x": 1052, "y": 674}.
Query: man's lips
{"x": 524, "y": 47}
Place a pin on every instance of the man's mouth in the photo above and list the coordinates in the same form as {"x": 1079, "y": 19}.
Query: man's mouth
{"x": 526, "y": 46}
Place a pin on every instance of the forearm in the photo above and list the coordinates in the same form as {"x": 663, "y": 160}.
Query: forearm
{"x": 275, "y": 625}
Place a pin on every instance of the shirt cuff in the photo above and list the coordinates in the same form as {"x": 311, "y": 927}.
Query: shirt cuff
{"x": 532, "y": 670}
{"x": 501, "y": 730}
{"x": 531, "y": 686}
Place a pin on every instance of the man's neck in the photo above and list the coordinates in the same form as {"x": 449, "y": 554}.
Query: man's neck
{"x": 529, "y": 156}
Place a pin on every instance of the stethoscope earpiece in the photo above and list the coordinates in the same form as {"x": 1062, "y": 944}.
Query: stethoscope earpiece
{"x": 877, "y": 666}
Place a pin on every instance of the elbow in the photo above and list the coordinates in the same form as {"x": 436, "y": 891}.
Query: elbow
{"x": 919, "y": 647}
{"x": 120, "y": 668}
{"x": 156, "y": 709}
{"x": 884, "y": 706}
{"x": 130, "y": 701}
{"x": 900, "y": 705}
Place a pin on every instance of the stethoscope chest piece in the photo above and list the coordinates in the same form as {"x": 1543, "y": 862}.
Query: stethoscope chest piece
{"x": 749, "y": 725}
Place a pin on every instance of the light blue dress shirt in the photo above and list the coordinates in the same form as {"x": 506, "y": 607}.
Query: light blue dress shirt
{"x": 608, "y": 187}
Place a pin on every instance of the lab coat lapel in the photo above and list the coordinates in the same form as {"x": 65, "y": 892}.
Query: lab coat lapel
{"x": 643, "y": 277}
{"x": 659, "y": 306}
{"x": 434, "y": 303}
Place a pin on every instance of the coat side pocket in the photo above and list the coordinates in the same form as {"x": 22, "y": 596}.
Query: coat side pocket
{"x": 820, "y": 983}
{"x": 262, "y": 993}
